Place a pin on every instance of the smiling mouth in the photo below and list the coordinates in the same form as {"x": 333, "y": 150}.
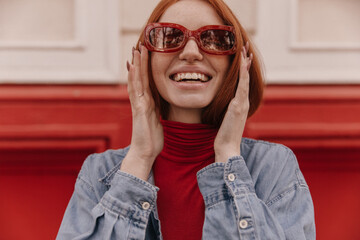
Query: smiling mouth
{"x": 190, "y": 77}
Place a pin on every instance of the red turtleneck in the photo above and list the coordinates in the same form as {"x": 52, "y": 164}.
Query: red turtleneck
{"x": 187, "y": 149}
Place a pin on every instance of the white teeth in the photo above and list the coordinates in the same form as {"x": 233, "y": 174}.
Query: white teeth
{"x": 190, "y": 76}
{"x": 177, "y": 77}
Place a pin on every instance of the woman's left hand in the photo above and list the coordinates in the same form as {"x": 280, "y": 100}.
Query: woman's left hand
{"x": 228, "y": 139}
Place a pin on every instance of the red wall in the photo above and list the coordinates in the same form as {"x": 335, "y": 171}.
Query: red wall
{"x": 47, "y": 131}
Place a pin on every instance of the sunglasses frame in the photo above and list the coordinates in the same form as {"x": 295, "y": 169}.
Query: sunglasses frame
{"x": 187, "y": 34}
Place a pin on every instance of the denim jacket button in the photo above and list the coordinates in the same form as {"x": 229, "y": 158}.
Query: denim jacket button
{"x": 145, "y": 205}
{"x": 231, "y": 177}
{"x": 243, "y": 224}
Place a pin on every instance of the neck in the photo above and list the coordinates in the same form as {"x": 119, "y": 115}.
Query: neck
{"x": 188, "y": 142}
{"x": 192, "y": 115}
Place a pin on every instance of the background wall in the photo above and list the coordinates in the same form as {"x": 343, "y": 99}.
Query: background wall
{"x": 63, "y": 96}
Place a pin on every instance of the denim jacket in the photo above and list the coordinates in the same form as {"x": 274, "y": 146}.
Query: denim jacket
{"x": 259, "y": 195}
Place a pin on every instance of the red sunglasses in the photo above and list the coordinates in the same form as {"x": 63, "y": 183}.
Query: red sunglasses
{"x": 171, "y": 37}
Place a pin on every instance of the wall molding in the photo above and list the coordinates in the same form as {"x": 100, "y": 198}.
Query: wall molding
{"x": 309, "y": 116}
{"x": 91, "y": 57}
{"x": 78, "y": 43}
{"x": 295, "y": 44}
{"x": 289, "y": 61}
{"x": 52, "y": 139}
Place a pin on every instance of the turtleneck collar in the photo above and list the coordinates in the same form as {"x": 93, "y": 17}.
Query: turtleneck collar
{"x": 188, "y": 142}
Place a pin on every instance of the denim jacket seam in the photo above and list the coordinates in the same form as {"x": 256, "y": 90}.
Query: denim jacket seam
{"x": 209, "y": 167}
{"x": 146, "y": 184}
{"x": 221, "y": 165}
{"x": 106, "y": 179}
{"x": 218, "y": 202}
{"x": 87, "y": 184}
{"x": 210, "y": 203}
{"x": 108, "y": 176}
{"x": 284, "y": 193}
{"x": 126, "y": 213}
{"x": 293, "y": 186}
{"x": 107, "y": 204}
{"x": 300, "y": 179}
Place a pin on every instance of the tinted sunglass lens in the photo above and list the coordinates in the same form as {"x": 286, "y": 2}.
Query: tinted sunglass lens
{"x": 166, "y": 37}
{"x": 217, "y": 40}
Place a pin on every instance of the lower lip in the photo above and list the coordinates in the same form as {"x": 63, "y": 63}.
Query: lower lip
{"x": 191, "y": 85}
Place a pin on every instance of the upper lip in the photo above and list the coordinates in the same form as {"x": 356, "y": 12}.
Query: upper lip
{"x": 190, "y": 69}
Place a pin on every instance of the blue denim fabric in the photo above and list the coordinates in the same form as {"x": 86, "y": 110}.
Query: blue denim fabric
{"x": 259, "y": 195}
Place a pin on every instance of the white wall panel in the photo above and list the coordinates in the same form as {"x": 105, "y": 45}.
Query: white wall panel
{"x": 133, "y": 16}
{"x": 86, "y": 50}
{"x": 288, "y": 60}
{"x": 328, "y": 24}
{"x": 24, "y": 20}
{"x": 329, "y": 21}
{"x": 89, "y": 41}
{"x": 134, "y": 13}
{"x": 246, "y": 12}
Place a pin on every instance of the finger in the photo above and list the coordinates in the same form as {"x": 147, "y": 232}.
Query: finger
{"x": 249, "y": 64}
{"x": 138, "y": 85}
{"x": 131, "y": 77}
{"x": 144, "y": 68}
{"x": 133, "y": 85}
{"x": 247, "y": 47}
{"x": 242, "y": 91}
{"x": 245, "y": 54}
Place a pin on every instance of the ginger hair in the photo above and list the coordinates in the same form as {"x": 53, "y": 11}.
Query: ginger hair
{"x": 214, "y": 113}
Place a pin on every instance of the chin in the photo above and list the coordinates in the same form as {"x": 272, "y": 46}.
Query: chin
{"x": 192, "y": 103}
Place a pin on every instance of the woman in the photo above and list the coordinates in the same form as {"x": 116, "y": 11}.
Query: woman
{"x": 189, "y": 174}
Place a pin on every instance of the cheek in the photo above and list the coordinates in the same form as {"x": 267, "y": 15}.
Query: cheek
{"x": 226, "y": 63}
{"x": 159, "y": 66}
{"x": 158, "y": 70}
{"x": 154, "y": 66}
{"x": 221, "y": 64}
{"x": 222, "y": 68}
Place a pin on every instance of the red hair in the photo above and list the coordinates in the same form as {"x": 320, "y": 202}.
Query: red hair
{"x": 214, "y": 113}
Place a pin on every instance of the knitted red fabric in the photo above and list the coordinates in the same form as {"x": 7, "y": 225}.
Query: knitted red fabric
{"x": 187, "y": 149}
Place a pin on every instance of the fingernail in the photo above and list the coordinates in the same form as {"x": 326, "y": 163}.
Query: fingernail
{"x": 250, "y": 62}
{"x": 128, "y": 65}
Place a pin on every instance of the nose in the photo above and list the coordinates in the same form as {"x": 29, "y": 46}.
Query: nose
{"x": 191, "y": 52}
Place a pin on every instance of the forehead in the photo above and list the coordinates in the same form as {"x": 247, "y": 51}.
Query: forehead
{"x": 192, "y": 14}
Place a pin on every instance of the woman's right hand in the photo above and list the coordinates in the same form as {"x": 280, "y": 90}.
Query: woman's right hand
{"x": 147, "y": 138}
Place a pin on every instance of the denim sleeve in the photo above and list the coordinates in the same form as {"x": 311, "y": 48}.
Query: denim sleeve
{"x": 121, "y": 213}
{"x": 234, "y": 211}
